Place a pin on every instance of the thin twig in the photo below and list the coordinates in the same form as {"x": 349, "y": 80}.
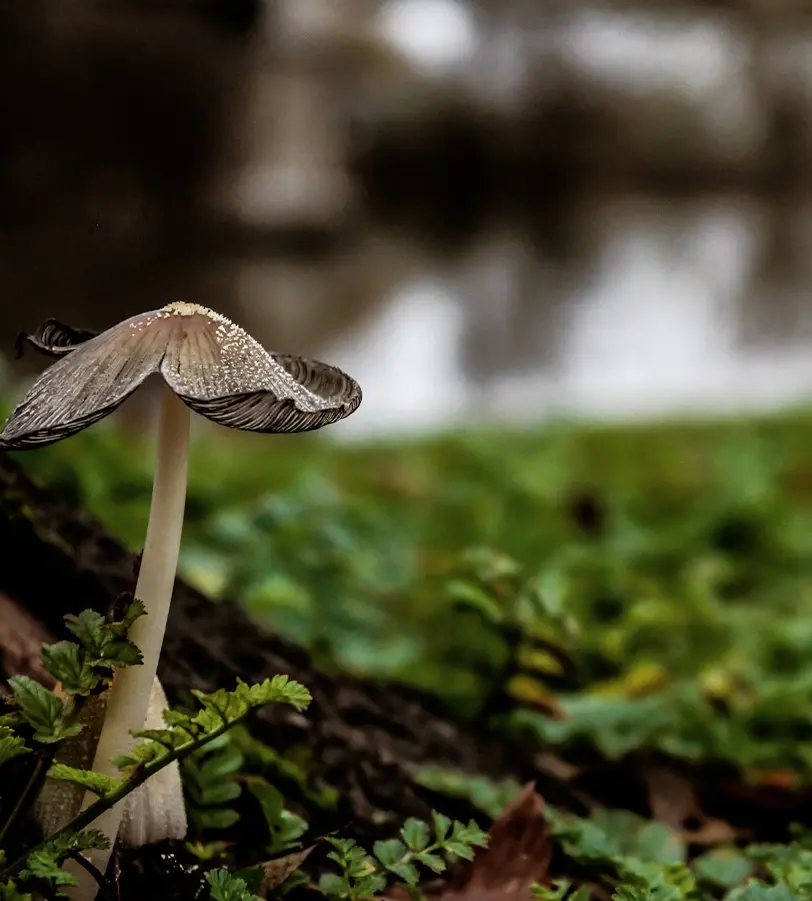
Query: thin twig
{"x": 23, "y": 800}
{"x": 85, "y": 864}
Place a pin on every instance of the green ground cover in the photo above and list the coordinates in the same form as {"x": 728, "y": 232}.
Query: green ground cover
{"x": 649, "y": 586}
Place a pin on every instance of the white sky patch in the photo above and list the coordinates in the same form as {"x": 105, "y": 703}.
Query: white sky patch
{"x": 405, "y": 362}
{"x": 434, "y": 35}
{"x": 650, "y": 52}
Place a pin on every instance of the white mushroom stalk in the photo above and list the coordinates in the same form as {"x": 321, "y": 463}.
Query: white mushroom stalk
{"x": 130, "y": 692}
{"x": 209, "y": 365}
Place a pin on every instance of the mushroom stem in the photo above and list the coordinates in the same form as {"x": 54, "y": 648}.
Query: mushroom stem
{"x": 130, "y": 692}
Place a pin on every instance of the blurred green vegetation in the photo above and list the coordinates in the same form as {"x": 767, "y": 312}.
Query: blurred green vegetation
{"x": 653, "y": 583}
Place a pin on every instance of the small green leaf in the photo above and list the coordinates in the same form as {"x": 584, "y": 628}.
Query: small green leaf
{"x": 99, "y": 784}
{"x": 759, "y": 891}
{"x": 433, "y": 861}
{"x": 134, "y": 611}
{"x": 442, "y": 825}
{"x": 66, "y": 662}
{"x": 333, "y": 886}
{"x": 470, "y": 834}
{"x": 270, "y": 800}
{"x": 227, "y": 887}
{"x": 725, "y": 867}
{"x": 555, "y": 892}
{"x": 121, "y": 653}
{"x": 44, "y": 865}
{"x": 460, "y": 849}
{"x": 42, "y": 710}
{"x": 466, "y": 594}
{"x": 291, "y": 828}
{"x": 416, "y": 834}
{"x": 219, "y": 793}
{"x": 389, "y": 852}
{"x": 9, "y": 892}
{"x": 89, "y": 627}
{"x": 407, "y": 872}
{"x": 11, "y": 745}
{"x": 106, "y": 643}
{"x": 207, "y": 850}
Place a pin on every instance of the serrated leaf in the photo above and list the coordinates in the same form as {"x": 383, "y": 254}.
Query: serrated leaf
{"x": 42, "y": 710}
{"x": 121, "y": 653}
{"x": 442, "y": 825}
{"x": 416, "y": 834}
{"x": 99, "y": 784}
{"x": 433, "y": 861}
{"x": 137, "y": 757}
{"x": 407, "y": 872}
{"x": 470, "y": 834}
{"x": 135, "y": 610}
{"x": 9, "y": 892}
{"x": 43, "y": 864}
{"x": 88, "y": 626}
{"x": 389, "y": 852}
{"x": 11, "y": 746}
{"x": 66, "y": 662}
{"x": 227, "y": 887}
{"x": 166, "y": 738}
{"x": 106, "y": 643}
{"x": 460, "y": 849}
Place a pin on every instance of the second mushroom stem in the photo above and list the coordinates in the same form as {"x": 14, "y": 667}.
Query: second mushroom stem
{"x": 130, "y": 692}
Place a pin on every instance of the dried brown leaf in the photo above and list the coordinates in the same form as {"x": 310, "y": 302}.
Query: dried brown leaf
{"x": 280, "y": 869}
{"x": 518, "y": 855}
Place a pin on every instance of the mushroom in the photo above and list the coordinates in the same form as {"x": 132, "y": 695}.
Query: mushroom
{"x": 209, "y": 365}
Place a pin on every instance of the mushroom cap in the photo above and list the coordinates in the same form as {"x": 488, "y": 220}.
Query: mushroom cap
{"x": 215, "y": 367}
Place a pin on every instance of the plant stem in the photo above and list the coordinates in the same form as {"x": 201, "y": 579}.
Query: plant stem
{"x": 130, "y": 692}
{"x": 36, "y": 777}
{"x": 39, "y": 774}
{"x": 94, "y": 812}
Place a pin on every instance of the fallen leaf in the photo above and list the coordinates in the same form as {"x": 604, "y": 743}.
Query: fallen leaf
{"x": 280, "y": 869}
{"x": 518, "y": 855}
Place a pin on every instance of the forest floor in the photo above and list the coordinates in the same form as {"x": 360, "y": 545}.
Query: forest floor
{"x": 604, "y": 631}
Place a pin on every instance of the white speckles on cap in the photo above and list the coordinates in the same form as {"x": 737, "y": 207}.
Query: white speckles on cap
{"x": 213, "y": 365}
{"x": 184, "y": 308}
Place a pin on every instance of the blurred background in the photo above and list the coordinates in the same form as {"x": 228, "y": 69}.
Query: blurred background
{"x": 483, "y": 209}
{"x": 492, "y": 213}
